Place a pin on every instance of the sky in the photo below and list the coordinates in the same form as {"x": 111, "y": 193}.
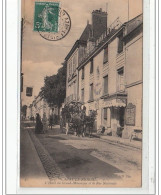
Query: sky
{"x": 42, "y": 58}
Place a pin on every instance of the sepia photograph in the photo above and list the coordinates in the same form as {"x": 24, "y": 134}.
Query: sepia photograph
{"x": 81, "y": 96}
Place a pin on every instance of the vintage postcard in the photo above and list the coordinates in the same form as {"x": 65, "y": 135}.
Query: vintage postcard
{"x": 81, "y": 93}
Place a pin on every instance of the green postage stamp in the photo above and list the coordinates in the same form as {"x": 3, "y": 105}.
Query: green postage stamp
{"x": 46, "y": 16}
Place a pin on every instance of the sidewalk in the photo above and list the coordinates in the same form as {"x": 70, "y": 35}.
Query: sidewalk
{"x": 119, "y": 140}
{"x": 111, "y": 139}
{"x": 31, "y": 168}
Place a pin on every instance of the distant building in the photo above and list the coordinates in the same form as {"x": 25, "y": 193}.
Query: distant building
{"x": 108, "y": 74}
{"x": 39, "y": 105}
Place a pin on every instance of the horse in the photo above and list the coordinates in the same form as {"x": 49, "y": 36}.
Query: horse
{"x": 89, "y": 122}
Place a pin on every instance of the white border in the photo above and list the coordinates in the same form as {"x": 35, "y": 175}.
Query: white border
{"x": 13, "y": 102}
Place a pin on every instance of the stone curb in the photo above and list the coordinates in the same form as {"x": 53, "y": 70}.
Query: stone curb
{"x": 49, "y": 164}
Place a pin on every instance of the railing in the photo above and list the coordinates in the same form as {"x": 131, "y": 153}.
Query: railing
{"x": 114, "y": 26}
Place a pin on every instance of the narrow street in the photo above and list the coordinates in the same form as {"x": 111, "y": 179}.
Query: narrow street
{"x": 83, "y": 158}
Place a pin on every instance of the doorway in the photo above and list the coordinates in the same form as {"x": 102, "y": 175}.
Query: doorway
{"x": 121, "y": 116}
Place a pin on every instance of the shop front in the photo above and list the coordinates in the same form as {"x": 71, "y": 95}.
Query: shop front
{"x": 113, "y": 115}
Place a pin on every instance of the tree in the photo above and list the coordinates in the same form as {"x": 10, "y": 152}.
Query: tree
{"x": 54, "y": 89}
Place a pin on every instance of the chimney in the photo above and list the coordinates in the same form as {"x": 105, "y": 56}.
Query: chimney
{"x": 99, "y": 23}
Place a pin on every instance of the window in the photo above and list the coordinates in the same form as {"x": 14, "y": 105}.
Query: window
{"x": 83, "y": 73}
{"x": 121, "y": 85}
{"x": 91, "y": 92}
{"x": 105, "y": 59}
{"x": 105, "y": 88}
{"x": 70, "y": 68}
{"x": 91, "y": 67}
{"x": 74, "y": 62}
{"x": 120, "y": 43}
{"x": 106, "y": 117}
{"x": 82, "y": 95}
{"x": 105, "y": 114}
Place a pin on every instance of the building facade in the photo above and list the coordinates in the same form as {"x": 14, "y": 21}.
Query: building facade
{"x": 80, "y": 49}
{"x": 109, "y": 77}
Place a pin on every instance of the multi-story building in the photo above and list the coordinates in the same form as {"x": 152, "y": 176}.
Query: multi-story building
{"x": 39, "y": 105}
{"x": 80, "y": 49}
{"x": 109, "y": 76}
{"x": 112, "y": 79}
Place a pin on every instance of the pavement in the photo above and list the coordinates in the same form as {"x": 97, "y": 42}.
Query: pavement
{"x": 116, "y": 140}
{"x": 31, "y": 169}
{"x": 54, "y": 155}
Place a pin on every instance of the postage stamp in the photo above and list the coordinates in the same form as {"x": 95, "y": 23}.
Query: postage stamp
{"x": 52, "y": 22}
{"x": 46, "y": 16}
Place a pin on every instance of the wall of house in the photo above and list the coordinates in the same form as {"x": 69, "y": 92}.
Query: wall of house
{"x": 112, "y": 65}
{"x": 134, "y": 85}
{"x": 71, "y": 86}
{"x": 134, "y": 60}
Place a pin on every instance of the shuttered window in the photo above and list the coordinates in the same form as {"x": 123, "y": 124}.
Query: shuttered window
{"x": 121, "y": 84}
{"x": 91, "y": 67}
{"x": 105, "y": 84}
{"x": 105, "y": 113}
{"x": 83, "y": 73}
{"x": 91, "y": 92}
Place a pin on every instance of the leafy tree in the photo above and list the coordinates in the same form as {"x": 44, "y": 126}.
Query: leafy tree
{"x": 54, "y": 89}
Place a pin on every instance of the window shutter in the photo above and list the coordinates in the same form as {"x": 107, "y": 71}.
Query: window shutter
{"x": 120, "y": 43}
{"x": 105, "y": 59}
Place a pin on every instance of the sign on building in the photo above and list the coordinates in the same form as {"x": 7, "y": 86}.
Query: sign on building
{"x": 130, "y": 114}
{"x": 29, "y": 91}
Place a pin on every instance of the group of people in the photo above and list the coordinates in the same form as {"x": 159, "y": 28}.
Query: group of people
{"x": 42, "y": 125}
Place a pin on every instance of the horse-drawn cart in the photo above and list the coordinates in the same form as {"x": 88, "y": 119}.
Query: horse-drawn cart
{"x": 75, "y": 119}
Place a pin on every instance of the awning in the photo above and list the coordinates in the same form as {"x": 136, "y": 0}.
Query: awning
{"x": 114, "y": 103}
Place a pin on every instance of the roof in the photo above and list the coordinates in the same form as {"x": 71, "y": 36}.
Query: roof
{"x": 130, "y": 26}
{"x": 76, "y": 45}
{"x": 133, "y": 24}
{"x": 86, "y": 33}
{"x": 82, "y": 40}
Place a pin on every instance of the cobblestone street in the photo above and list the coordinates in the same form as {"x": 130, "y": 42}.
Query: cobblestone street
{"x": 71, "y": 157}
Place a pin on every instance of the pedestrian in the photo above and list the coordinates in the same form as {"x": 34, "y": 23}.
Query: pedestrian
{"x": 51, "y": 121}
{"x": 67, "y": 127}
{"x": 39, "y": 125}
{"x": 45, "y": 123}
{"x": 61, "y": 123}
